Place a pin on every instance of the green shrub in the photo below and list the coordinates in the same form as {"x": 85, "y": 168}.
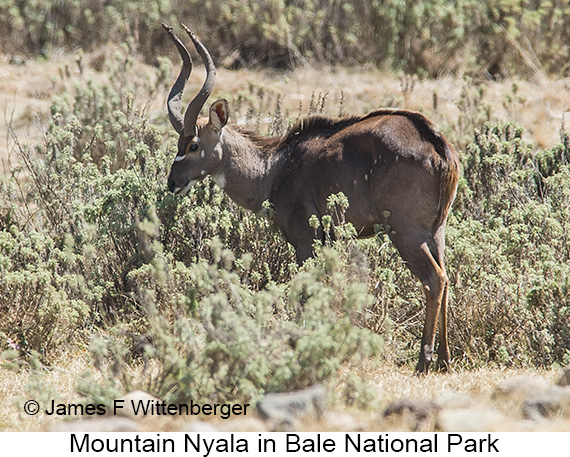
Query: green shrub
{"x": 43, "y": 300}
{"x": 498, "y": 37}
{"x": 195, "y": 297}
{"x": 508, "y": 255}
{"x": 211, "y": 336}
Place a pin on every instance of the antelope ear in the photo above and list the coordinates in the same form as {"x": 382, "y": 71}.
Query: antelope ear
{"x": 219, "y": 114}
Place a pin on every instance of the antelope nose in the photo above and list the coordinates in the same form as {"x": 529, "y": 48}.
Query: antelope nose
{"x": 171, "y": 184}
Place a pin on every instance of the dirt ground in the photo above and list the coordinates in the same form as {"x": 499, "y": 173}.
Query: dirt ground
{"x": 468, "y": 396}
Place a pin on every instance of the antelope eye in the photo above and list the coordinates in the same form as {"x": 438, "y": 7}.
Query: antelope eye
{"x": 193, "y": 147}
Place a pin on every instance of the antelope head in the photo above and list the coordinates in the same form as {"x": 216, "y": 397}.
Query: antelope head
{"x": 199, "y": 149}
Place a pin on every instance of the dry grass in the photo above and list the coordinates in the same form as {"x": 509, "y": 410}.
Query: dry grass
{"x": 389, "y": 383}
{"x": 58, "y": 383}
{"x": 474, "y": 388}
{"x": 26, "y": 90}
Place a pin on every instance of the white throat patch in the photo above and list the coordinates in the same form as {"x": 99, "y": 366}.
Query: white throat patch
{"x": 219, "y": 179}
{"x": 184, "y": 190}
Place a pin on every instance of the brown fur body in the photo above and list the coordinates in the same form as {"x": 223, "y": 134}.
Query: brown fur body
{"x": 394, "y": 166}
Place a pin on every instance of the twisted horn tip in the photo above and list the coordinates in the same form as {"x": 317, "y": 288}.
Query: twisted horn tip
{"x": 189, "y": 32}
{"x": 169, "y": 29}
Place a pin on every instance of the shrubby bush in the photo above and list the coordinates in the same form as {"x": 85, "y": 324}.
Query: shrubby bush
{"x": 41, "y": 304}
{"x": 221, "y": 340}
{"x": 508, "y": 253}
{"x": 203, "y": 292}
{"x": 200, "y": 298}
{"x": 501, "y": 37}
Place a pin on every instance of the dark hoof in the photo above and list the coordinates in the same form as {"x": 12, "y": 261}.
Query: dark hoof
{"x": 443, "y": 366}
{"x": 422, "y": 368}
{"x": 426, "y": 357}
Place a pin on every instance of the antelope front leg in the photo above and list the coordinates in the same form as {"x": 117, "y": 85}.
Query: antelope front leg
{"x": 298, "y": 232}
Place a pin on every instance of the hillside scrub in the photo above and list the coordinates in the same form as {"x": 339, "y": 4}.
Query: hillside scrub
{"x": 201, "y": 298}
{"x": 205, "y": 291}
{"x": 496, "y": 37}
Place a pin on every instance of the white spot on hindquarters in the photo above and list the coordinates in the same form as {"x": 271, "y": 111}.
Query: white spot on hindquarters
{"x": 366, "y": 178}
{"x": 355, "y": 182}
{"x": 203, "y": 173}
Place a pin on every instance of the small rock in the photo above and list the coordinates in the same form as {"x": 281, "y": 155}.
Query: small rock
{"x": 548, "y": 403}
{"x": 338, "y": 421}
{"x": 135, "y": 397}
{"x": 301, "y": 403}
{"x": 102, "y": 424}
{"x": 17, "y": 60}
{"x": 469, "y": 420}
{"x": 419, "y": 411}
{"x": 519, "y": 388}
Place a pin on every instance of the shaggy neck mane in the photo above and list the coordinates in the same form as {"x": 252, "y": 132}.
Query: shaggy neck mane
{"x": 304, "y": 128}
{"x": 325, "y": 126}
